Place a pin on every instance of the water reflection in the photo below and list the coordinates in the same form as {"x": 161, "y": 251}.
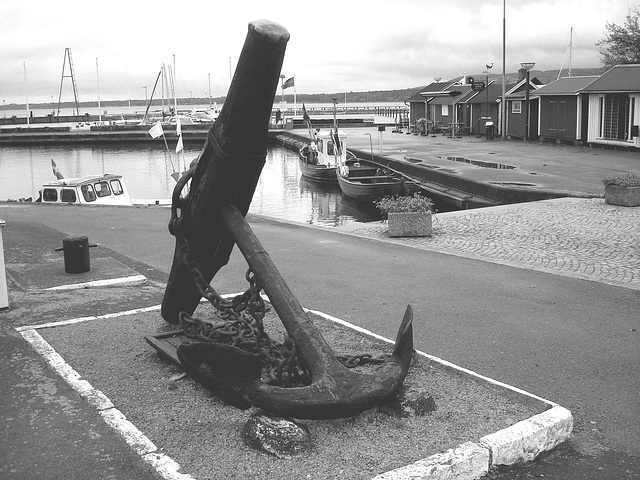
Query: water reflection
{"x": 281, "y": 191}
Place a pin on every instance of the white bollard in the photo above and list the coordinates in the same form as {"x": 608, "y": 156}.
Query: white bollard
{"x": 4, "y": 297}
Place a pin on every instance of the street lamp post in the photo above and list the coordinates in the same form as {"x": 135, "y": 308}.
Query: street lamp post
{"x": 527, "y": 66}
{"x": 486, "y": 86}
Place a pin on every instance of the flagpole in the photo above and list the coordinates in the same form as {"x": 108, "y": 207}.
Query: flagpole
{"x": 26, "y": 90}
{"x": 503, "y": 106}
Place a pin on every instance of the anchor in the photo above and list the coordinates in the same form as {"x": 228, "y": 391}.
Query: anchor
{"x": 211, "y": 221}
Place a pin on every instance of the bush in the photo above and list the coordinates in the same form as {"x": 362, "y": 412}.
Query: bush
{"x": 626, "y": 180}
{"x": 400, "y": 204}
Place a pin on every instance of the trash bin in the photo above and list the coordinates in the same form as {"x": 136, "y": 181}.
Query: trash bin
{"x": 289, "y": 124}
{"x": 488, "y": 127}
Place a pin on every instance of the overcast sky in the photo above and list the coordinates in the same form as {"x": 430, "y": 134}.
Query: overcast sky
{"x": 335, "y": 46}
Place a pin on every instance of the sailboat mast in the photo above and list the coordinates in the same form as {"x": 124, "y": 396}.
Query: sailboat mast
{"x": 26, "y": 90}
{"x": 98, "y": 82}
{"x": 175, "y": 78}
{"x": 164, "y": 81}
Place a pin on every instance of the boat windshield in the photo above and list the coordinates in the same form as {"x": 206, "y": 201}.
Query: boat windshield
{"x": 88, "y": 193}
{"x": 68, "y": 195}
{"x": 49, "y": 195}
{"x": 116, "y": 187}
{"x": 102, "y": 189}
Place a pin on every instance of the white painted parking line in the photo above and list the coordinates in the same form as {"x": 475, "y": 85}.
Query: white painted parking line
{"x": 132, "y": 280}
{"x": 514, "y": 444}
{"x": 144, "y": 447}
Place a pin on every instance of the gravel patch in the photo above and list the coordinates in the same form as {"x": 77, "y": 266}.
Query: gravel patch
{"x": 203, "y": 434}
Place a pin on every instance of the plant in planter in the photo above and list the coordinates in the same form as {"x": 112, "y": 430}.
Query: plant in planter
{"x": 622, "y": 190}
{"x": 407, "y": 216}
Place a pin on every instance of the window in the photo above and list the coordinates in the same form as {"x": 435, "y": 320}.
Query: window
{"x": 320, "y": 145}
{"x": 49, "y": 195}
{"x": 516, "y": 106}
{"x": 88, "y": 193}
{"x": 102, "y": 189}
{"x": 615, "y": 114}
{"x": 330, "y": 147}
{"x": 611, "y": 108}
{"x": 68, "y": 195}
{"x": 116, "y": 187}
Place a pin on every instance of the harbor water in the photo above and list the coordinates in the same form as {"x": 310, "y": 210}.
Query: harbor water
{"x": 281, "y": 191}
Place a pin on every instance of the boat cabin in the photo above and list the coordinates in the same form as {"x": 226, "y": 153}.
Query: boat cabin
{"x": 107, "y": 189}
{"x": 322, "y": 150}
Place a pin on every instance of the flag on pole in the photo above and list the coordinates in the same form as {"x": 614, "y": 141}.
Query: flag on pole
{"x": 336, "y": 142}
{"x": 288, "y": 83}
{"x": 56, "y": 172}
{"x": 179, "y": 145}
{"x": 307, "y": 121}
{"x": 305, "y": 116}
{"x": 156, "y": 131}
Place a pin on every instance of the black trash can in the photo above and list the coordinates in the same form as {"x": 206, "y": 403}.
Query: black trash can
{"x": 488, "y": 127}
{"x": 76, "y": 254}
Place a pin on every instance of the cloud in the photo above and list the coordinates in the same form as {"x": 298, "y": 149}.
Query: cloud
{"x": 354, "y": 45}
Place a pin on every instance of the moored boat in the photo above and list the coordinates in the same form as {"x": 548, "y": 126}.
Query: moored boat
{"x": 364, "y": 180}
{"x": 106, "y": 189}
{"x": 326, "y": 149}
{"x": 319, "y": 158}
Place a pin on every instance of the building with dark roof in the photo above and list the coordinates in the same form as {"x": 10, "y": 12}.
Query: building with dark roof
{"x": 596, "y": 110}
{"x": 614, "y": 107}
{"x": 563, "y": 110}
{"x": 516, "y": 108}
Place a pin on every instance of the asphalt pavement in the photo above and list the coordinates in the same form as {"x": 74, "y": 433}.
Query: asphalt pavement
{"x": 543, "y": 296}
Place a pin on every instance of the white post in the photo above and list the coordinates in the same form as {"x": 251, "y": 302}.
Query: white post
{"x": 4, "y": 297}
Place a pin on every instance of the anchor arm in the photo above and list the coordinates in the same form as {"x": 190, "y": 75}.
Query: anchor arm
{"x": 336, "y": 391}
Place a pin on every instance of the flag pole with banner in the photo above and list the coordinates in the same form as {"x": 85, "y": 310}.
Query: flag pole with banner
{"x": 56, "y": 172}
{"x": 307, "y": 121}
{"x": 157, "y": 131}
{"x": 291, "y": 82}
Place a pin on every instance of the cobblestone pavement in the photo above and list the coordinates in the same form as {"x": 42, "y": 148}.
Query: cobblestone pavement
{"x": 580, "y": 238}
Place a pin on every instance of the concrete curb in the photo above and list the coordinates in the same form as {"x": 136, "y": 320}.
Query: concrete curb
{"x": 521, "y": 442}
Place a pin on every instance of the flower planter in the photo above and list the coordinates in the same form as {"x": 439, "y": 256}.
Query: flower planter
{"x": 625, "y": 196}
{"x": 410, "y": 224}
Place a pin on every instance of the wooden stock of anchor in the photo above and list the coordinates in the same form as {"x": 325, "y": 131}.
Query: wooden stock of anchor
{"x": 212, "y": 221}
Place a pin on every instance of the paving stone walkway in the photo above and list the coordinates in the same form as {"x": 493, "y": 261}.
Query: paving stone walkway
{"x": 580, "y": 238}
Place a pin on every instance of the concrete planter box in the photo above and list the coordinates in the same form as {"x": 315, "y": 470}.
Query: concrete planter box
{"x": 409, "y": 224}
{"x": 625, "y": 196}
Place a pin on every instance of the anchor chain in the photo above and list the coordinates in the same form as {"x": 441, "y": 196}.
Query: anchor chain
{"x": 238, "y": 322}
